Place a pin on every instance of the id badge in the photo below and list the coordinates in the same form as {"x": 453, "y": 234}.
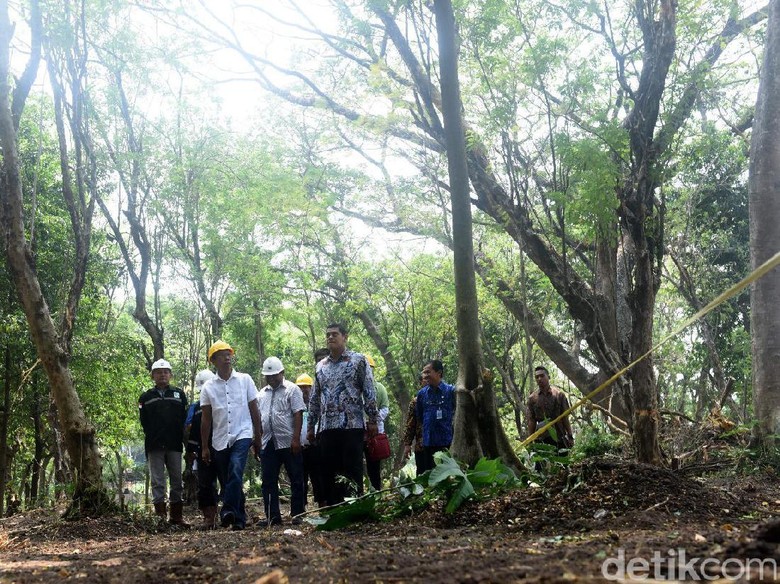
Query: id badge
{"x": 439, "y": 414}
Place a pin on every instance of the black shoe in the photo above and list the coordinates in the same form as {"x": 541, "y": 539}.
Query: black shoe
{"x": 297, "y": 521}
{"x": 227, "y": 519}
{"x": 237, "y": 527}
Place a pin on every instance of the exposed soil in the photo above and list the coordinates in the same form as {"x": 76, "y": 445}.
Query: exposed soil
{"x": 562, "y": 532}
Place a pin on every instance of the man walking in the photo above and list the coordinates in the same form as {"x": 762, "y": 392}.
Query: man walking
{"x": 281, "y": 412}
{"x": 229, "y": 403}
{"x": 435, "y": 411}
{"x": 163, "y": 410}
{"x": 343, "y": 395}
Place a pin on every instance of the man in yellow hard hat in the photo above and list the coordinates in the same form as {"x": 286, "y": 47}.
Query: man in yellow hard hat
{"x": 311, "y": 454}
{"x": 230, "y": 407}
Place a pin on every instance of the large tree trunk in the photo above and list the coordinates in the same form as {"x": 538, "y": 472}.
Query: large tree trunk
{"x": 88, "y": 494}
{"x": 4, "y": 417}
{"x": 39, "y": 444}
{"x": 397, "y": 384}
{"x": 474, "y": 386}
{"x": 764, "y": 200}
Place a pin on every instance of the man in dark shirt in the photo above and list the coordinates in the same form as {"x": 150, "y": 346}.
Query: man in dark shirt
{"x": 545, "y": 404}
{"x": 163, "y": 410}
{"x": 435, "y": 412}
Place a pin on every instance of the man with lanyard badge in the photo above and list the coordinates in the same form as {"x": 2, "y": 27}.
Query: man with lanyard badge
{"x": 435, "y": 411}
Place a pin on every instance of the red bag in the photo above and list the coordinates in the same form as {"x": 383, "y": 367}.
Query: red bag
{"x": 378, "y": 448}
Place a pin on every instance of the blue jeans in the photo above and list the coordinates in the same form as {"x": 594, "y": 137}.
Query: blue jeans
{"x": 230, "y": 468}
{"x": 272, "y": 461}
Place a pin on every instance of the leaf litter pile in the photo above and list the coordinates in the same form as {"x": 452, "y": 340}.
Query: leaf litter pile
{"x": 608, "y": 493}
{"x": 564, "y": 530}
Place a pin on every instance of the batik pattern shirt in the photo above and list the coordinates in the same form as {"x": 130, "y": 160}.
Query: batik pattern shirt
{"x": 343, "y": 394}
{"x": 413, "y": 428}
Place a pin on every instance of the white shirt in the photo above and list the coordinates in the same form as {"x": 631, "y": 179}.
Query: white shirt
{"x": 277, "y": 407}
{"x": 381, "y": 414}
{"x": 229, "y": 401}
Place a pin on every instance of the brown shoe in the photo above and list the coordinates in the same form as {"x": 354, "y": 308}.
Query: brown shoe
{"x": 209, "y": 518}
{"x": 177, "y": 510}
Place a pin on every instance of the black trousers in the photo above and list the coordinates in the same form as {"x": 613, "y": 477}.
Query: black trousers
{"x": 312, "y": 471}
{"x": 342, "y": 464}
{"x": 207, "y": 483}
{"x": 424, "y": 458}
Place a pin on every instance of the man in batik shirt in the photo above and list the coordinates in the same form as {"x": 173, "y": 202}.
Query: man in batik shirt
{"x": 342, "y": 396}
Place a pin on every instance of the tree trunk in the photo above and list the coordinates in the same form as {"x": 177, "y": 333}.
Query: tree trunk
{"x": 120, "y": 479}
{"x": 39, "y": 450}
{"x": 4, "y": 426}
{"x": 474, "y": 385}
{"x": 132, "y": 178}
{"x": 764, "y": 199}
{"x": 62, "y": 472}
{"x": 88, "y": 494}
{"x": 397, "y": 384}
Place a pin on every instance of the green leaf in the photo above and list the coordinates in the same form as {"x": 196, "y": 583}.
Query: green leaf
{"x": 464, "y": 491}
{"x": 362, "y": 509}
{"x": 446, "y": 467}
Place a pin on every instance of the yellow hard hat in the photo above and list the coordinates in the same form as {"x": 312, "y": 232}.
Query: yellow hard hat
{"x": 370, "y": 360}
{"x": 220, "y": 346}
{"x": 304, "y": 379}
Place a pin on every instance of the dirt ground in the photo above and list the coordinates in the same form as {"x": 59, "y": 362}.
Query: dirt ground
{"x": 598, "y": 511}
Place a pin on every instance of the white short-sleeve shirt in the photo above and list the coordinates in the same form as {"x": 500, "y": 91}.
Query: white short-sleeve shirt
{"x": 229, "y": 401}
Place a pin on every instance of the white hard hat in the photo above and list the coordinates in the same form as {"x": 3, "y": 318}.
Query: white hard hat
{"x": 272, "y": 366}
{"x": 161, "y": 364}
{"x": 203, "y": 377}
